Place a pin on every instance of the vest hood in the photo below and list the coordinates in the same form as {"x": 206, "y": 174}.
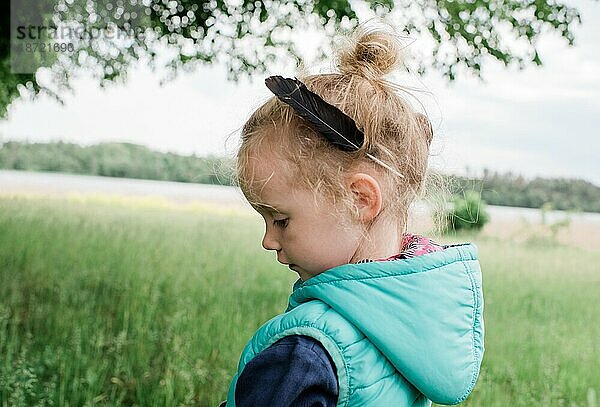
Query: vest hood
{"x": 424, "y": 314}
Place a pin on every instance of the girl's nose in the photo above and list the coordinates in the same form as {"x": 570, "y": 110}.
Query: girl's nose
{"x": 269, "y": 242}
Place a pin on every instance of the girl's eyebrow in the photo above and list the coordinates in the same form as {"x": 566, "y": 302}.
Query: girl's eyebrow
{"x": 266, "y": 208}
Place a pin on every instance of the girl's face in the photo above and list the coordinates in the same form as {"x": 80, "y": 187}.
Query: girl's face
{"x": 306, "y": 237}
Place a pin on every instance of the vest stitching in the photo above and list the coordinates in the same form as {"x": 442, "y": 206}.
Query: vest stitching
{"x": 342, "y": 351}
{"x": 364, "y": 338}
{"x": 369, "y": 385}
{"x": 469, "y": 273}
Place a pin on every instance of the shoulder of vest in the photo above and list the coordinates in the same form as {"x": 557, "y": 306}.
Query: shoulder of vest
{"x": 343, "y": 341}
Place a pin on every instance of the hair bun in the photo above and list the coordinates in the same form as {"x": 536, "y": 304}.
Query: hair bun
{"x": 371, "y": 54}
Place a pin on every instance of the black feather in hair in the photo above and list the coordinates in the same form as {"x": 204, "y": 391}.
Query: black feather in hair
{"x": 337, "y": 127}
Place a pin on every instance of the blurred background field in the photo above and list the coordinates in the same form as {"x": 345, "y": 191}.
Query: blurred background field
{"x": 138, "y": 301}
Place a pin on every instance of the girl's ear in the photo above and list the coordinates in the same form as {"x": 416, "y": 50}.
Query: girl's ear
{"x": 367, "y": 195}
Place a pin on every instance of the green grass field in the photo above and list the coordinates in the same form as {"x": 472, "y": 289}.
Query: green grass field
{"x": 114, "y": 305}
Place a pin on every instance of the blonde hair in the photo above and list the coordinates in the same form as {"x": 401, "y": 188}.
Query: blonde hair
{"x": 394, "y": 132}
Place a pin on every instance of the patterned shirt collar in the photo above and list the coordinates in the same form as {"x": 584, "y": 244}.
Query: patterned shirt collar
{"x": 412, "y": 245}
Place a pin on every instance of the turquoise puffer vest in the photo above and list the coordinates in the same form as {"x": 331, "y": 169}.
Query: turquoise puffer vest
{"x": 401, "y": 333}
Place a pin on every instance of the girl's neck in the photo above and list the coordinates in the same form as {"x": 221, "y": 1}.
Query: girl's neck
{"x": 383, "y": 240}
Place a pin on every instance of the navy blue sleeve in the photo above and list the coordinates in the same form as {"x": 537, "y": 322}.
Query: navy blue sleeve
{"x": 295, "y": 371}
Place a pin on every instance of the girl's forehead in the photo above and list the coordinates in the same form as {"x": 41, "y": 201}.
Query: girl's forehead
{"x": 266, "y": 181}
{"x": 268, "y": 172}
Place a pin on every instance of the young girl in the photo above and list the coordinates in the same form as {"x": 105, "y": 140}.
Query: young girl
{"x": 379, "y": 316}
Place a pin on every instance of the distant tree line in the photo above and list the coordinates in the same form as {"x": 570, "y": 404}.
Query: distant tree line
{"x": 135, "y": 161}
{"x": 125, "y": 160}
{"x": 510, "y": 189}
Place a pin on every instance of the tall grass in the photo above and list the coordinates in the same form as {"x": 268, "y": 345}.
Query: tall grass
{"x": 114, "y": 305}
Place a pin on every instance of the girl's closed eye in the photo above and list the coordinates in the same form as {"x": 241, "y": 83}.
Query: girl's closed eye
{"x": 282, "y": 223}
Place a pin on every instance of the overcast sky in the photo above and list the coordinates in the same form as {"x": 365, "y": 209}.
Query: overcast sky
{"x": 540, "y": 121}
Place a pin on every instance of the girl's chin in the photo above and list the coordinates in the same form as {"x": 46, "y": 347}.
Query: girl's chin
{"x": 299, "y": 271}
